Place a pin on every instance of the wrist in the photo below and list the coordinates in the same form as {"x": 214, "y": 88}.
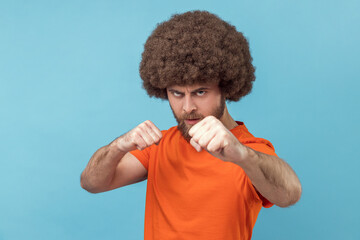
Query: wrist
{"x": 117, "y": 146}
{"x": 245, "y": 155}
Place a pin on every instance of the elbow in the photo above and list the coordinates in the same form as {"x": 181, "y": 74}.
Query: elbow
{"x": 293, "y": 196}
{"x": 84, "y": 183}
{"x": 297, "y": 193}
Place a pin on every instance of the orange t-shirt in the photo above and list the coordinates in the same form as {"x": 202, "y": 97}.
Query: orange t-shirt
{"x": 193, "y": 195}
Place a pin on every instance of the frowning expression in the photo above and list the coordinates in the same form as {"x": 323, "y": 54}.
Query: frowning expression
{"x": 190, "y": 104}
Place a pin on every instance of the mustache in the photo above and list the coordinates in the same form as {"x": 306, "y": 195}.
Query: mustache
{"x": 191, "y": 116}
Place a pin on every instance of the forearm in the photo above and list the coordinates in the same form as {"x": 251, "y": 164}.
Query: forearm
{"x": 101, "y": 168}
{"x": 272, "y": 177}
{"x": 109, "y": 168}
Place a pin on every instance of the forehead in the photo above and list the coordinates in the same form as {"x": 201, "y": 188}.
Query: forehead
{"x": 194, "y": 87}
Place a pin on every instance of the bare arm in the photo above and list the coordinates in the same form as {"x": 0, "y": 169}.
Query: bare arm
{"x": 112, "y": 166}
{"x": 270, "y": 175}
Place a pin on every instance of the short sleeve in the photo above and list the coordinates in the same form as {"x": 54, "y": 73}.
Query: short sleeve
{"x": 265, "y": 203}
{"x": 260, "y": 145}
{"x": 143, "y": 156}
{"x": 263, "y": 146}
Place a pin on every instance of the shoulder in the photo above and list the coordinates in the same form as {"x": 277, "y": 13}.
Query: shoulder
{"x": 170, "y": 132}
{"x": 248, "y": 139}
{"x": 240, "y": 131}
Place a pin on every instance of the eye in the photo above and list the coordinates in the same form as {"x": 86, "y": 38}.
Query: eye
{"x": 200, "y": 93}
{"x": 176, "y": 94}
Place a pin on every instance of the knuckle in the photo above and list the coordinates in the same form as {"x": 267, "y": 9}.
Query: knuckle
{"x": 211, "y": 149}
{"x": 220, "y": 132}
{"x": 136, "y": 139}
{"x": 131, "y": 135}
{"x": 191, "y": 133}
{"x": 146, "y": 139}
{"x": 219, "y": 129}
{"x": 212, "y": 118}
{"x": 137, "y": 132}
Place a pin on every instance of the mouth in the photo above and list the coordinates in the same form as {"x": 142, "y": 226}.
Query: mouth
{"x": 192, "y": 121}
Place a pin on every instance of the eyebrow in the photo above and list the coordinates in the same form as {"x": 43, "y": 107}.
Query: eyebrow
{"x": 194, "y": 91}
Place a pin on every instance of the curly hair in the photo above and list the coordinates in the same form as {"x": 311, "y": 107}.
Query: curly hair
{"x": 193, "y": 48}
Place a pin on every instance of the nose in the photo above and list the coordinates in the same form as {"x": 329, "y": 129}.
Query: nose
{"x": 188, "y": 105}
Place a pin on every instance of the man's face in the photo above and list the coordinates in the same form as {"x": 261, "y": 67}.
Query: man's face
{"x": 190, "y": 104}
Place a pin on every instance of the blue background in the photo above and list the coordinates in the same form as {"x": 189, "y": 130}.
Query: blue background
{"x": 70, "y": 84}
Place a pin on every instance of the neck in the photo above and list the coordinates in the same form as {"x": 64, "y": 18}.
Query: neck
{"x": 227, "y": 120}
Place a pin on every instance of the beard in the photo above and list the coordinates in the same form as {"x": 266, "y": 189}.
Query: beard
{"x": 185, "y": 128}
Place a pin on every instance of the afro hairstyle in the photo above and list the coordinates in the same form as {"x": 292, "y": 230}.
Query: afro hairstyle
{"x": 197, "y": 47}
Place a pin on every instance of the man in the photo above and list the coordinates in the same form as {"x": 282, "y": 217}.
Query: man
{"x": 208, "y": 177}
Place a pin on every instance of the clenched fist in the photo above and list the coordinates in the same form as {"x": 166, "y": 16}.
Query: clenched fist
{"x": 210, "y": 134}
{"x": 142, "y": 136}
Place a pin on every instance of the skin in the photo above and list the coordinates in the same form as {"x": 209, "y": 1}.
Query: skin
{"x": 112, "y": 166}
{"x": 184, "y": 101}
